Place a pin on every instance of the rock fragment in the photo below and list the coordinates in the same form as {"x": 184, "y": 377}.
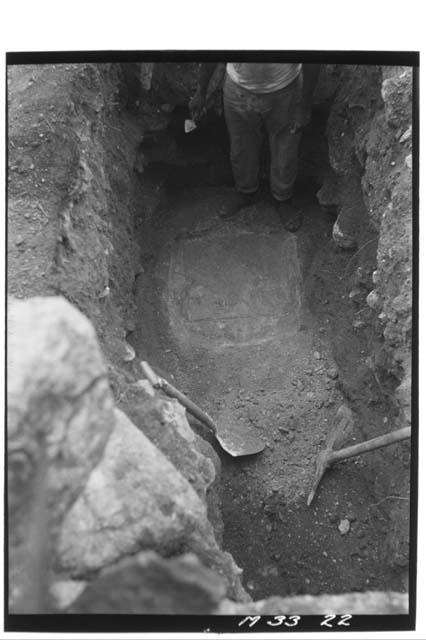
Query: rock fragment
{"x": 344, "y": 526}
{"x": 150, "y": 584}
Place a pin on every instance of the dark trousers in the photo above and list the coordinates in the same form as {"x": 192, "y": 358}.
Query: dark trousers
{"x": 246, "y": 113}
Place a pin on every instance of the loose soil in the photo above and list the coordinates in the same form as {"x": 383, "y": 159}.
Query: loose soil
{"x": 254, "y": 324}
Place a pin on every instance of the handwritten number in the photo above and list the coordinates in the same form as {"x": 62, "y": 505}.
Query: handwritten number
{"x": 343, "y": 622}
{"x": 325, "y": 623}
{"x": 294, "y": 619}
{"x": 278, "y": 620}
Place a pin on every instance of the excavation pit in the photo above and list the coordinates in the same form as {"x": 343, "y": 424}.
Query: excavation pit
{"x": 248, "y": 321}
{"x": 265, "y": 330}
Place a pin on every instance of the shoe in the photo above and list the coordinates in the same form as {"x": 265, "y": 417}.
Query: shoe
{"x": 242, "y": 201}
{"x": 343, "y": 240}
{"x": 290, "y": 215}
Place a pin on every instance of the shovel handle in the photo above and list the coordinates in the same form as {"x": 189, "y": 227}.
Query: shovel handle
{"x": 170, "y": 390}
{"x": 369, "y": 445}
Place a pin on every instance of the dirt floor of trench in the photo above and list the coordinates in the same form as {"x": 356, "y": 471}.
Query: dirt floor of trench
{"x": 251, "y": 322}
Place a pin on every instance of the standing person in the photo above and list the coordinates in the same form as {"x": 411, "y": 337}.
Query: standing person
{"x": 256, "y": 95}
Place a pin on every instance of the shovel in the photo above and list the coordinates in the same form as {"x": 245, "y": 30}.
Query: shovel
{"x": 237, "y": 441}
{"x": 327, "y": 457}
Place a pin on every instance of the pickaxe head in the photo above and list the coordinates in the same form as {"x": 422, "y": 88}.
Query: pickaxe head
{"x": 322, "y": 464}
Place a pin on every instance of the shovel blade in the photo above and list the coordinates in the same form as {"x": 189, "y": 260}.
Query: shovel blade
{"x": 238, "y": 439}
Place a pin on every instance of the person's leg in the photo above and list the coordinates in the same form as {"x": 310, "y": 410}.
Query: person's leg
{"x": 284, "y": 159}
{"x": 284, "y": 148}
{"x": 245, "y": 134}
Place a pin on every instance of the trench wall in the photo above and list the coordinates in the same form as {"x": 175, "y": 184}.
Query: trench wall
{"x": 369, "y": 134}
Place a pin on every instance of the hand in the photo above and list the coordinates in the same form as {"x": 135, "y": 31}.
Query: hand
{"x": 197, "y": 106}
{"x": 301, "y": 119}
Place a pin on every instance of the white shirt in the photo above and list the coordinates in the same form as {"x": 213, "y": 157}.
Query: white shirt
{"x": 262, "y": 77}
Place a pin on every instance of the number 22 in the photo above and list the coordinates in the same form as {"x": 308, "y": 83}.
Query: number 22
{"x": 342, "y": 623}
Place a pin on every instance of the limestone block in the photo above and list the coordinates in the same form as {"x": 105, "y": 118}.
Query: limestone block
{"x": 134, "y": 499}
{"x": 149, "y": 584}
{"x": 60, "y": 414}
{"x": 57, "y": 391}
{"x": 164, "y": 422}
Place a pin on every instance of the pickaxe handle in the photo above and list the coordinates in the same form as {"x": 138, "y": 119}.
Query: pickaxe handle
{"x": 369, "y": 445}
{"x": 328, "y": 456}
